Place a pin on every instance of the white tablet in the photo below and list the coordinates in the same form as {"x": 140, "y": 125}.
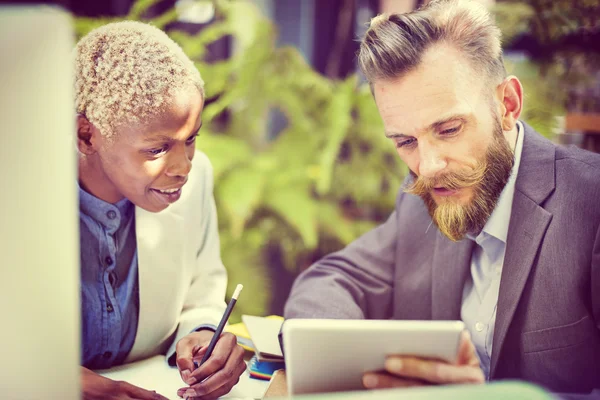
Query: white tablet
{"x": 323, "y": 355}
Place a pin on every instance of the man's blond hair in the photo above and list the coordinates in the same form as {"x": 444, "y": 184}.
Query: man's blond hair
{"x": 128, "y": 71}
{"x": 395, "y": 43}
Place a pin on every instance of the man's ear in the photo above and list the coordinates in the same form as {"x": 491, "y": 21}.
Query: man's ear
{"x": 510, "y": 94}
{"x": 86, "y": 135}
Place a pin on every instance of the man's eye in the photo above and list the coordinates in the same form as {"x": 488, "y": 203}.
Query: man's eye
{"x": 407, "y": 142}
{"x": 450, "y": 131}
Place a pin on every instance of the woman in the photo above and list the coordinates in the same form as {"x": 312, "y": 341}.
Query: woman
{"x": 152, "y": 280}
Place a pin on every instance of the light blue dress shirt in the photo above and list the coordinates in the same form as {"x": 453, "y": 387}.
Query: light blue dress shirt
{"x": 480, "y": 295}
{"x": 109, "y": 281}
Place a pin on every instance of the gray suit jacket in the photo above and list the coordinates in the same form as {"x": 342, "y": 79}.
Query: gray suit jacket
{"x": 548, "y": 316}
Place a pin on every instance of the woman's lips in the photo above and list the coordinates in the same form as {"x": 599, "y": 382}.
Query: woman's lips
{"x": 168, "y": 196}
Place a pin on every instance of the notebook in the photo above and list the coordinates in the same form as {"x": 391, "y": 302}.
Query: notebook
{"x": 264, "y": 334}
{"x": 241, "y": 334}
{"x": 263, "y": 370}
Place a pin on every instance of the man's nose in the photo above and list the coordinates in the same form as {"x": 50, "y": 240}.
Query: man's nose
{"x": 180, "y": 164}
{"x": 431, "y": 162}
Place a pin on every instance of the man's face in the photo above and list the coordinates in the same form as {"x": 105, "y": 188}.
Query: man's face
{"x": 447, "y": 130}
{"x": 147, "y": 163}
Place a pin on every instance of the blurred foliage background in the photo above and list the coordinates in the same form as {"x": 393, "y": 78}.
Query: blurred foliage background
{"x": 560, "y": 71}
{"x": 286, "y": 199}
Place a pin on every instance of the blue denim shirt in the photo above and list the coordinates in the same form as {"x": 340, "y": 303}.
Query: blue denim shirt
{"x": 109, "y": 281}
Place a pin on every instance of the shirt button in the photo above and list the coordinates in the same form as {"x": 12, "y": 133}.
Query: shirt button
{"x": 109, "y": 308}
{"x": 479, "y": 326}
{"x": 107, "y": 354}
{"x": 111, "y": 214}
{"x": 108, "y": 260}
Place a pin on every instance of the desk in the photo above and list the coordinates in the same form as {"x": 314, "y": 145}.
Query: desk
{"x": 513, "y": 390}
{"x": 277, "y": 386}
{"x": 155, "y": 374}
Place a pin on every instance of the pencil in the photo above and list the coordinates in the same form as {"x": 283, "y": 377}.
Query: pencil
{"x": 219, "y": 330}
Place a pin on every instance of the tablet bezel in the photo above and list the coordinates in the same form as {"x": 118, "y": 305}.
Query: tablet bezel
{"x": 324, "y": 355}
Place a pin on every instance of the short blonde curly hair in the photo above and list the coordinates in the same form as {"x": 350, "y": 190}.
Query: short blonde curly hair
{"x": 128, "y": 71}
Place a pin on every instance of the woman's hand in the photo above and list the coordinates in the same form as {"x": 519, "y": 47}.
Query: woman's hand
{"x": 218, "y": 374}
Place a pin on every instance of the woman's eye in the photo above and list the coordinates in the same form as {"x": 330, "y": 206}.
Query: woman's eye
{"x": 192, "y": 139}
{"x": 156, "y": 152}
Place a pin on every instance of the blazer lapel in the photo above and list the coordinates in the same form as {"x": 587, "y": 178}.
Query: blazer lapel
{"x": 159, "y": 247}
{"x": 451, "y": 262}
{"x": 528, "y": 224}
{"x": 526, "y": 231}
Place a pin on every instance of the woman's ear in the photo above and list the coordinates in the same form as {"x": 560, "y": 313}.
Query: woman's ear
{"x": 86, "y": 132}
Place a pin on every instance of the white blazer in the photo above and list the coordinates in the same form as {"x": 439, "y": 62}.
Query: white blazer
{"x": 182, "y": 280}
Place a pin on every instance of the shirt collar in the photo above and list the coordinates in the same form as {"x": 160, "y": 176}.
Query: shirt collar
{"x": 497, "y": 224}
{"x": 111, "y": 216}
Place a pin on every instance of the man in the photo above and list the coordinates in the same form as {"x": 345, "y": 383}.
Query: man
{"x": 152, "y": 280}
{"x": 496, "y": 225}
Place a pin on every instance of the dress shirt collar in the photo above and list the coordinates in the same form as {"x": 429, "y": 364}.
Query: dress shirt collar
{"x": 109, "y": 215}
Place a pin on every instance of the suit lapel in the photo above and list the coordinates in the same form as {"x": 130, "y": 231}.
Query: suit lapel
{"x": 527, "y": 228}
{"x": 528, "y": 224}
{"x": 451, "y": 262}
{"x": 159, "y": 247}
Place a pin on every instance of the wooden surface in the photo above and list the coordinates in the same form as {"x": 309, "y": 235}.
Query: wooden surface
{"x": 587, "y": 123}
{"x": 277, "y": 386}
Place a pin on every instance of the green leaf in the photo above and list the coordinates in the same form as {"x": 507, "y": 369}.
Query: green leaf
{"x": 216, "y": 108}
{"x": 164, "y": 19}
{"x": 223, "y": 151}
{"x": 211, "y": 34}
{"x": 340, "y": 115}
{"x": 245, "y": 265}
{"x": 333, "y": 222}
{"x": 542, "y": 103}
{"x": 139, "y": 7}
{"x": 239, "y": 194}
{"x": 514, "y": 18}
{"x": 298, "y": 149}
{"x": 244, "y": 19}
{"x": 297, "y": 207}
{"x": 218, "y": 75}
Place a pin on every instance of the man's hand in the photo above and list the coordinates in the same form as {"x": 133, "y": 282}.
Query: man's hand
{"x": 218, "y": 374}
{"x": 406, "y": 371}
{"x": 96, "y": 387}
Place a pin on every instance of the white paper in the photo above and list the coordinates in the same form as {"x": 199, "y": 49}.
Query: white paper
{"x": 264, "y": 332}
{"x": 155, "y": 374}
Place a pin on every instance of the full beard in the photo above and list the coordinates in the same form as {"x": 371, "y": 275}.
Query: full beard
{"x": 487, "y": 179}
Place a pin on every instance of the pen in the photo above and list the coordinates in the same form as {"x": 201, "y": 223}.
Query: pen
{"x": 219, "y": 330}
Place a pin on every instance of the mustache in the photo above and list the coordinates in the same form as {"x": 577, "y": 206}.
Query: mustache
{"x": 450, "y": 180}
